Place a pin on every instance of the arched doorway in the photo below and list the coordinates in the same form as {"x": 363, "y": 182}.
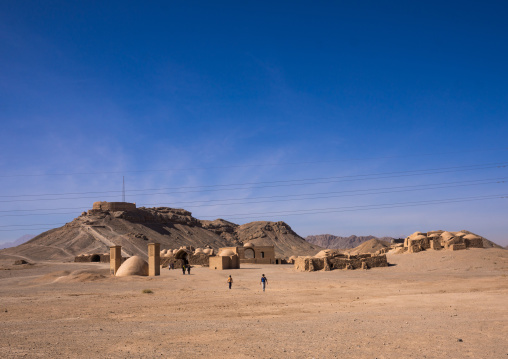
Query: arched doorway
{"x": 182, "y": 255}
{"x": 95, "y": 258}
{"x": 249, "y": 253}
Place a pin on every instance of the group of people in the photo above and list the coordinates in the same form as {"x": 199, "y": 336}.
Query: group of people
{"x": 263, "y": 281}
{"x": 185, "y": 267}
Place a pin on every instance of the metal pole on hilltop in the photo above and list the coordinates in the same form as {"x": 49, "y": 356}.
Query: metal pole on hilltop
{"x": 123, "y": 188}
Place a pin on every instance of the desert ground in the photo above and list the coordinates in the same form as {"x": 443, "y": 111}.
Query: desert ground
{"x": 432, "y": 304}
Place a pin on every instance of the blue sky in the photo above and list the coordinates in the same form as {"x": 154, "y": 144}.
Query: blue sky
{"x": 237, "y": 96}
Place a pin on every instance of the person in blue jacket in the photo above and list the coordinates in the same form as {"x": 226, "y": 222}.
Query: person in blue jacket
{"x": 264, "y": 282}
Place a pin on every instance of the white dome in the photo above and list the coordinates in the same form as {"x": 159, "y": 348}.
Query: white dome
{"x": 415, "y": 234}
{"x": 248, "y": 244}
{"x": 446, "y": 235}
{"x": 133, "y": 266}
{"x": 227, "y": 253}
{"x": 323, "y": 253}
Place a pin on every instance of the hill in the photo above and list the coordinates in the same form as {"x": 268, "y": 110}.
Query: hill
{"x": 330, "y": 241}
{"x": 371, "y": 246}
{"x": 17, "y": 242}
{"x": 96, "y": 230}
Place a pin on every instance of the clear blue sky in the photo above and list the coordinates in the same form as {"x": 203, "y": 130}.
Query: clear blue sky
{"x": 198, "y": 93}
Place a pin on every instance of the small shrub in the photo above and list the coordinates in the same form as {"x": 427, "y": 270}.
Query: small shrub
{"x": 147, "y": 291}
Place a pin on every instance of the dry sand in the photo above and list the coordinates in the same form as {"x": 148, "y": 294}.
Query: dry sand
{"x": 433, "y": 304}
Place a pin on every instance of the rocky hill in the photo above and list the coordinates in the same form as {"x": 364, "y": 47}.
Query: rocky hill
{"x": 332, "y": 242}
{"x": 96, "y": 230}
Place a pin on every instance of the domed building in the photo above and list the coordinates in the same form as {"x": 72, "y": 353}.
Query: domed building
{"x": 227, "y": 259}
{"x": 248, "y": 253}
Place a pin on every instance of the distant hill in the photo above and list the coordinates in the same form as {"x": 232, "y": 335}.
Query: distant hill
{"x": 330, "y": 241}
{"x": 371, "y": 246}
{"x": 96, "y": 231}
{"x": 17, "y": 242}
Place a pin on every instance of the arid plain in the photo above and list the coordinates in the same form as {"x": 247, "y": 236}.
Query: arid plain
{"x": 433, "y": 304}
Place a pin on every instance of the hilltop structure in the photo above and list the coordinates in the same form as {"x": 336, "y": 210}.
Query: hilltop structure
{"x": 103, "y": 206}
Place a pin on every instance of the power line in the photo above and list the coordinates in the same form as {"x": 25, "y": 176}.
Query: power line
{"x": 333, "y": 209}
{"x": 334, "y": 194}
{"x": 327, "y": 195}
{"x": 27, "y": 230}
{"x": 30, "y": 225}
{"x": 365, "y": 207}
{"x": 284, "y": 183}
{"x": 251, "y": 165}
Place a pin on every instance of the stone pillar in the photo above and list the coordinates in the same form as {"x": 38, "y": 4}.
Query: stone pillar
{"x": 154, "y": 259}
{"x": 115, "y": 258}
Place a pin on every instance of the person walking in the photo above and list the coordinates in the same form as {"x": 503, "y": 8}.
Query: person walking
{"x": 183, "y": 269}
{"x": 264, "y": 282}
{"x": 188, "y": 269}
{"x": 230, "y": 281}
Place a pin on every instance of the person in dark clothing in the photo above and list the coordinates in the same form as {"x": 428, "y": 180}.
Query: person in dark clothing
{"x": 188, "y": 269}
{"x": 183, "y": 269}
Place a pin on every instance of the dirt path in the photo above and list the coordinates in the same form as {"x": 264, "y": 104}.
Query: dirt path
{"x": 428, "y": 305}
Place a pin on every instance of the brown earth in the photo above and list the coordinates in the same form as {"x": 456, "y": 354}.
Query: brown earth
{"x": 172, "y": 228}
{"x": 433, "y": 304}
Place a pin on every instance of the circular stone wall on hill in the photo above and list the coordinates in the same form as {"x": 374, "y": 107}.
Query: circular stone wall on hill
{"x": 133, "y": 266}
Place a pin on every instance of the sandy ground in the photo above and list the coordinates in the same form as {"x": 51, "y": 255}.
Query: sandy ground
{"x": 434, "y": 304}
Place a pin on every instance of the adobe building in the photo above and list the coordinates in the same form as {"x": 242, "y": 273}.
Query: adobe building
{"x": 254, "y": 254}
{"x": 227, "y": 259}
{"x": 232, "y": 257}
{"x": 436, "y": 240}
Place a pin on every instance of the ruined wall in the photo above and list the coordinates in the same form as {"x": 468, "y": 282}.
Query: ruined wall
{"x": 114, "y": 206}
{"x": 364, "y": 261}
{"x": 436, "y": 240}
{"x": 199, "y": 259}
{"x": 95, "y": 257}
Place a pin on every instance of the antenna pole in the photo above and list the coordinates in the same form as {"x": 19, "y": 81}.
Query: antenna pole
{"x": 123, "y": 188}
